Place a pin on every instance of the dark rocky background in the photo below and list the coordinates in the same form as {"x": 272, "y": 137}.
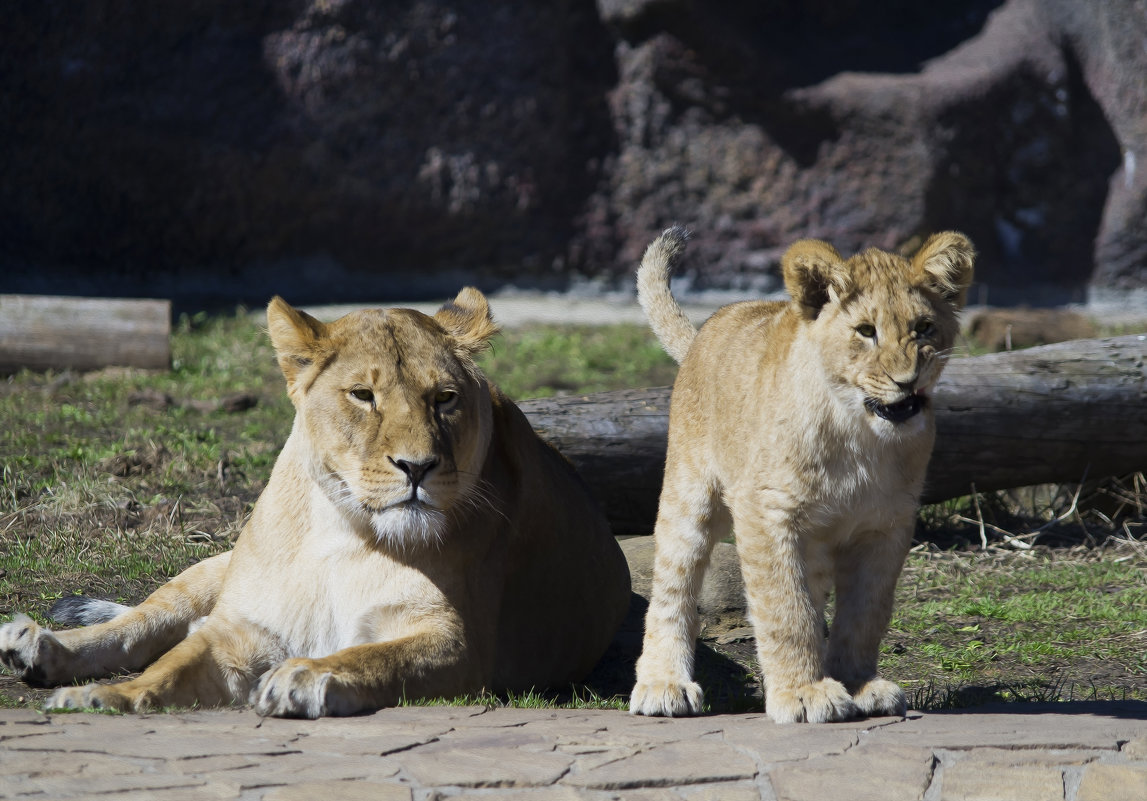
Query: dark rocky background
{"x": 218, "y": 151}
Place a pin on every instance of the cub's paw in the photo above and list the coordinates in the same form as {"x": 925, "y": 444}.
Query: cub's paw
{"x": 294, "y": 689}
{"x": 880, "y": 697}
{"x": 98, "y": 696}
{"x": 666, "y": 698}
{"x": 821, "y": 701}
{"x": 33, "y": 653}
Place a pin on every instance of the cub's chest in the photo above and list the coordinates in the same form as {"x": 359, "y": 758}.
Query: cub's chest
{"x": 862, "y": 494}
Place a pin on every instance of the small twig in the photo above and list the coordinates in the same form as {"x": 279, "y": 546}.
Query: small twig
{"x": 1072, "y": 510}
{"x": 980, "y": 518}
{"x": 1014, "y": 540}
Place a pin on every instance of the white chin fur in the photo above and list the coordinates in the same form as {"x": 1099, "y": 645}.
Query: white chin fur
{"x": 405, "y": 526}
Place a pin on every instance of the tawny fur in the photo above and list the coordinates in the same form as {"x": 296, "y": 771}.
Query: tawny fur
{"x": 807, "y": 426}
{"x": 416, "y": 539}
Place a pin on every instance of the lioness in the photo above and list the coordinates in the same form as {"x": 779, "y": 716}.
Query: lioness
{"x": 416, "y": 539}
{"x": 807, "y": 424}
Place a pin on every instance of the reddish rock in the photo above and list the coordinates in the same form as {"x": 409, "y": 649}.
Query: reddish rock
{"x": 341, "y": 149}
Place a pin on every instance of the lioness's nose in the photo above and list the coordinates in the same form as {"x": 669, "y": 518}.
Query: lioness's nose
{"x": 415, "y": 471}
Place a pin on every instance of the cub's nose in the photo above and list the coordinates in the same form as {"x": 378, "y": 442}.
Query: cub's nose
{"x": 415, "y": 471}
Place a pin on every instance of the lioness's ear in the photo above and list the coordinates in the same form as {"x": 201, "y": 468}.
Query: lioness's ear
{"x": 468, "y": 320}
{"x": 946, "y": 260}
{"x": 296, "y": 337}
{"x": 813, "y": 272}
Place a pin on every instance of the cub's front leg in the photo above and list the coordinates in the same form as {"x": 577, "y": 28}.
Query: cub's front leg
{"x": 130, "y": 640}
{"x": 866, "y": 574}
{"x": 433, "y": 662}
{"x": 786, "y": 609}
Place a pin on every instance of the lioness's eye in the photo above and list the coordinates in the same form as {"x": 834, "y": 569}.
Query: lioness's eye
{"x": 363, "y": 394}
{"x": 867, "y": 330}
{"x": 924, "y": 327}
{"x": 445, "y": 396}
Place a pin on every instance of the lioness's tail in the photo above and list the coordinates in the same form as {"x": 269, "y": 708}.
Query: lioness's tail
{"x": 666, "y": 318}
{"x": 80, "y": 610}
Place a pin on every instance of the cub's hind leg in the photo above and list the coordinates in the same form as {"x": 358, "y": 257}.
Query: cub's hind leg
{"x": 866, "y": 575}
{"x": 690, "y": 518}
{"x": 131, "y": 639}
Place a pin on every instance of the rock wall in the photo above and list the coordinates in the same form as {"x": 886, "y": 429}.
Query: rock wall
{"x": 216, "y": 151}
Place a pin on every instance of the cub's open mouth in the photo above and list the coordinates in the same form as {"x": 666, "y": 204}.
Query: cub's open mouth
{"x": 897, "y": 412}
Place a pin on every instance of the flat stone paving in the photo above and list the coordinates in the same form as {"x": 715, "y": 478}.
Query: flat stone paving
{"x": 1074, "y": 752}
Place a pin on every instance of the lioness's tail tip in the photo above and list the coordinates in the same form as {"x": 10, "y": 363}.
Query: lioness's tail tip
{"x": 80, "y": 610}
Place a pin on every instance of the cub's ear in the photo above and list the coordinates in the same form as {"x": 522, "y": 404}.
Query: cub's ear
{"x": 297, "y": 338}
{"x": 814, "y": 273}
{"x": 468, "y": 321}
{"x": 946, "y": 261}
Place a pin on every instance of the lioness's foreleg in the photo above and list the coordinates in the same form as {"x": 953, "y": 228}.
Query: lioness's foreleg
{"x": 786, "y": 612}
{"x": 427, "y": 664}
{"x": 689, "y": 519}
{"x": 129, "y": 641}
{"x": 866, "y": 574}
{"x": 214, "y": 666}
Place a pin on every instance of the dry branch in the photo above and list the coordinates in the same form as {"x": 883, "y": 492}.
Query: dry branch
{"x": 1058, "y": 413}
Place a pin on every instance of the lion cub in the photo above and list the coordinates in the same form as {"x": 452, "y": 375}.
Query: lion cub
{"x": 416, "y": 539}
{"x": 808, "y": 425}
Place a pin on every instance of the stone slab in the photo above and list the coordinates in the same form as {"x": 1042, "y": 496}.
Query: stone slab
{"x": 340, "y": 791}
{"x": 870, "y": 773}
{"x": 1048, "y": 726}
{"x": 995, "y": 782}
{"x": 1113, "y": 783}
{"x": 681, "y": 763}
{"x": 1070, "y": 752}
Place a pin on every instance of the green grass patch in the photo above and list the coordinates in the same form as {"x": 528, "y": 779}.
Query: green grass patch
{"x": 575, "y": 698}
{"x": 1033, "y": 626}
{"x": 541, "y": 361}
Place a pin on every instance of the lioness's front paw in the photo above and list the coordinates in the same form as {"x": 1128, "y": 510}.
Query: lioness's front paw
{"x": 33, "y": 653}
{"x": 97, "y": 696}
{"x": 666, "y": 698}
{"x": 294, "y": 689}
{"x": 821, "y": 701}
{"x": 880, "y": 697}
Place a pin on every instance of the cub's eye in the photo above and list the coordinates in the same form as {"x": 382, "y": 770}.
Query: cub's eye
{"x": 363, "y": 394}
{"x": 923, "y": 327}
{"x": 866, "y": 330}
{"x": 445, "y": 396}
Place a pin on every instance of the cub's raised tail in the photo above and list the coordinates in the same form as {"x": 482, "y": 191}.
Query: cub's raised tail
{"x": 667, "y": 319}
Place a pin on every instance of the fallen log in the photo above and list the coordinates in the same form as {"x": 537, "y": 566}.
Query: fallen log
{"x": 1054, "y": 414}
{"x": 46, "y": 332}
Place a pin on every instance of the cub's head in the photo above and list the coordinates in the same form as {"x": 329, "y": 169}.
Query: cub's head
{"x": 884, "y": 324}
{"x": 393, "y": 411}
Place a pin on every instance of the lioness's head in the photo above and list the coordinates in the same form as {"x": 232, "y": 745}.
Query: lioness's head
{"x": 884, "y": 323}
{"x": 394, "y": 411}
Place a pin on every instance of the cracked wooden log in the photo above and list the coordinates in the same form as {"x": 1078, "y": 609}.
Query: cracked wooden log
{"x": 1054, "y": 414}
{"x": 47, "y": 332}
